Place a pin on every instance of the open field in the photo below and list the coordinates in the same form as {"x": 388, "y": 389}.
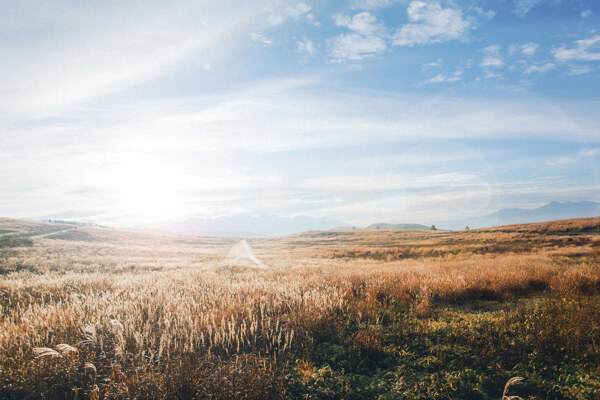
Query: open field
{"x": 97, "y": 313}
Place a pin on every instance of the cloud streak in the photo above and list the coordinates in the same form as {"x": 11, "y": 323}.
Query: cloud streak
{"x": 84, "y": 51}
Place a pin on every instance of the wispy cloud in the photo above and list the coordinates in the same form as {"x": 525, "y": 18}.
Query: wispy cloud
{"x": 538, "y": 69}
{"x": 492, "y": 57}
{"x": 522, "y": 7}
{"x": 259, "y": 37}
{"x": 298, "y": 10}
{"x": 441, "y": 78}
{"x": 530, "y": 48}
{"x": 306, "y": 45}
{"x": 86, "y": 51}
{"x": 589, "y": 152}
{"x": 280, "y": 11}
{"x": 579, "y": 70}
{"x": 371, "y": 4}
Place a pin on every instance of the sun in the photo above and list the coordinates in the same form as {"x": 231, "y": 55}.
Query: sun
{"x": 148, "y": 189}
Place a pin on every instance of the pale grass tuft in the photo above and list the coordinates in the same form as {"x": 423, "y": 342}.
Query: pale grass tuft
{"x": 116, "y": 324}
{"x": 89, "y": 365}
{"x": 91, "y": 337}
{"x": 512, "y": 381}
{"x": 66, "y": 348}
{"x": 45, "y": 352}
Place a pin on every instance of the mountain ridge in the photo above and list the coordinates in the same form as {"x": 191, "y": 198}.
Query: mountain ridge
{"x": 552, "y": 211}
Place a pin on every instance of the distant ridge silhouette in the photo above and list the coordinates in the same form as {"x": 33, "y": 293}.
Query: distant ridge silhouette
{"x": 549, "y": 212}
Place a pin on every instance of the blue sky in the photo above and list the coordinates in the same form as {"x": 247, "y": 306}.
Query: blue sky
{"x": 363, "y": 110}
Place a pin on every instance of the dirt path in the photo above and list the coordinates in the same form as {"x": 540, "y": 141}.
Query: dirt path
{"x": 54, "y": 233}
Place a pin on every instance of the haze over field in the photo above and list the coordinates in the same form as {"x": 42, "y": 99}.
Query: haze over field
{"x": 363, "y": 111}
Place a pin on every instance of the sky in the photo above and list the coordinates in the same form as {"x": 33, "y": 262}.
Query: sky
{"x": 124, "y": 112}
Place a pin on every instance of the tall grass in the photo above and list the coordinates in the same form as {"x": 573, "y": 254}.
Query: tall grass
{"x": 142, "y": 316}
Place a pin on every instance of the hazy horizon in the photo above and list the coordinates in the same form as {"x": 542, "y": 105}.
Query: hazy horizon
{"x": 362, "y": 111}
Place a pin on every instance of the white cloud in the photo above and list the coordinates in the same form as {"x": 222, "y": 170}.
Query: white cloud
{"x": 436, "y": 64}
{"x": 522, "y": 7}
{"x": 539, "y": 69}
{"x": 280, "y": 11}
{"x": 491, "y": 61}
{"x": 486, "y": 14}
{"x": 492, "y": 75}
{"x": 530, "y": 48}
{"x": 589, "y": 153}
{"x": 356, "y": 47}
{"x": 586, "y": 13}
{"x": 572, "y": 159}
{"x": 306, "y": 45}
{"x": 493, "y": 49}
{"x": 372, "y": 4}
{"x": 584, "y": 50}
{"x": 430, "y": 23}
{"x": 364, "y": 23}
{"x": 367, "y": 40}
{"x": 492, "y": 57}
{"x": 298, "y": 10}
{"x": 442, "y": 78}
{"x": 259, "y": 37}
{"x": 579, "y": 70}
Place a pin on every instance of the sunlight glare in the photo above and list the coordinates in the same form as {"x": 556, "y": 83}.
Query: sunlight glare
{"x": 148, "y": 188}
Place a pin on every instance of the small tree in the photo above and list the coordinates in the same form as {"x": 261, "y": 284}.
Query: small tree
{"x": 432, "y": 228}
{"x": 467, "y": 228}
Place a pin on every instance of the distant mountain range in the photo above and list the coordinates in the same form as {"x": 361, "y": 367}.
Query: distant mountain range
{"x": 241, "y": 226}
{"x": 397, "y": 226}
{"x": 272, "y": 225}
{"x": 549, "y": 212}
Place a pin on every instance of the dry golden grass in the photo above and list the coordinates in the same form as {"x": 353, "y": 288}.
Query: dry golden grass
{"x": 98, "y": 312}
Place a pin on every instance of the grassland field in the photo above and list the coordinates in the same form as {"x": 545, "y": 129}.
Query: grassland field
{"x": 95, "y": 313}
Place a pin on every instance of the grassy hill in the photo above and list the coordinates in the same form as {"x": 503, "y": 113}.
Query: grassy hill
{"x": 349, "y": 314}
